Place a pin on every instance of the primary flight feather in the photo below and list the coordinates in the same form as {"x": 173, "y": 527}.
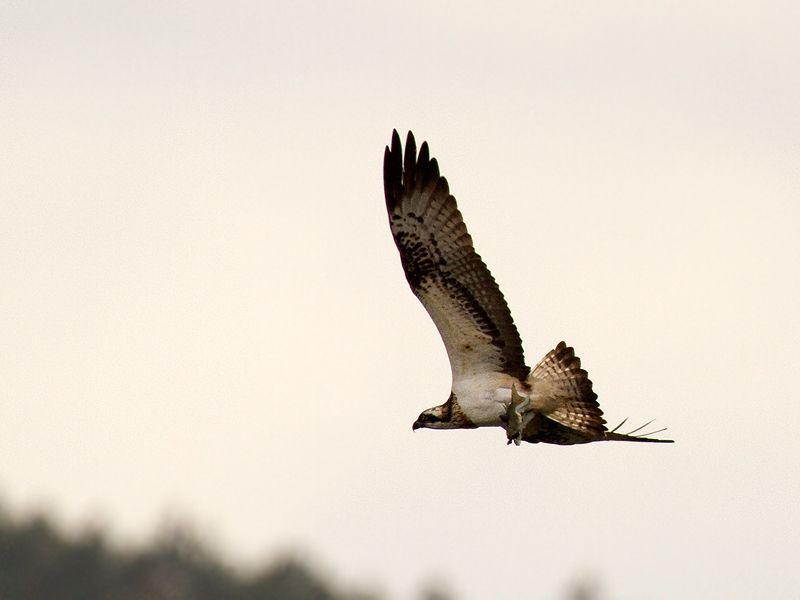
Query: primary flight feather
{"x": 492, "y": 386}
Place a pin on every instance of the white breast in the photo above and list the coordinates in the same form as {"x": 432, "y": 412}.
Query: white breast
{"x": 484, "y": 398}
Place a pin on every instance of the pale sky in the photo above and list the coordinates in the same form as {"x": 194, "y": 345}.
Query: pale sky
{"x": 203, "y": 312}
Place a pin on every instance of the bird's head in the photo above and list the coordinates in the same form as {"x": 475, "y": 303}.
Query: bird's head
{"x": 438, "y": 417}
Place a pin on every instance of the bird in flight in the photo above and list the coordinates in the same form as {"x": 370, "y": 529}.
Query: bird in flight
{"x": 492, "y": 386}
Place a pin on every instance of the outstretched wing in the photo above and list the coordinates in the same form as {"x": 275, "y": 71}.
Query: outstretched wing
{"x": 443, "y": 269}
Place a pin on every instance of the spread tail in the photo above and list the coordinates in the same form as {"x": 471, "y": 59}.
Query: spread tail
{"x": 560, "y": 378}
{"x": 568, "y": 412}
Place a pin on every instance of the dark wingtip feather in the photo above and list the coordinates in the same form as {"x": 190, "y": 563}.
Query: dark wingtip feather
{"x": 433, "y": 171}
{"x": 393, "y": 172}
{"x": 387, "y": 177}
{"x": 424, "y": 154}
{"x": 410, "y": 162}
{"x": 442, "y": 187}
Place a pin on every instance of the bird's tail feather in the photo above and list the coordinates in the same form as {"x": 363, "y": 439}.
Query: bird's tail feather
{"x": 621, "y": 437}
{"x": 613, "y": 436}
{"x": 567, "y": 386}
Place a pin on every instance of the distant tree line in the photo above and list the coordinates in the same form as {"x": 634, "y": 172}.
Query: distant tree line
{"x": 38, "y": 561}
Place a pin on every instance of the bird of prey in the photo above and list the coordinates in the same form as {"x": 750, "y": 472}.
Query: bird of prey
{"x": 492, "y": 386}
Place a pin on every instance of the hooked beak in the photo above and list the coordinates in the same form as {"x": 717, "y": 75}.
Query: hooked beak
{"x": 416, "y": 425}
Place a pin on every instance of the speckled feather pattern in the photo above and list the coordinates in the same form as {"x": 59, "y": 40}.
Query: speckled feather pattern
{"x": 442, "y": 268}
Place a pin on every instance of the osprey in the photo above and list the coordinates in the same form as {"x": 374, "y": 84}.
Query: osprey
{"x": 492, "y": 387}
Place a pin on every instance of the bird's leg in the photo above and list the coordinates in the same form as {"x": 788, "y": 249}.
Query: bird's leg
{"x": 515, "y": 421}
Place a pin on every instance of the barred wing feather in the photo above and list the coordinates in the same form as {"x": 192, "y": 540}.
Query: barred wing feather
{"x": 443, "y": 269}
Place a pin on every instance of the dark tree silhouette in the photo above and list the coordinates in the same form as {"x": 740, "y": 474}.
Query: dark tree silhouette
{"x": 39, "y": 562}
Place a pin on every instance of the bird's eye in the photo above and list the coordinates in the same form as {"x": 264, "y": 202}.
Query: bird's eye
{"x": 432, "y": 418}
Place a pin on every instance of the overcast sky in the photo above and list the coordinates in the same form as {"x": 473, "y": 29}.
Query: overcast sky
{"x": 203, "y": 312}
